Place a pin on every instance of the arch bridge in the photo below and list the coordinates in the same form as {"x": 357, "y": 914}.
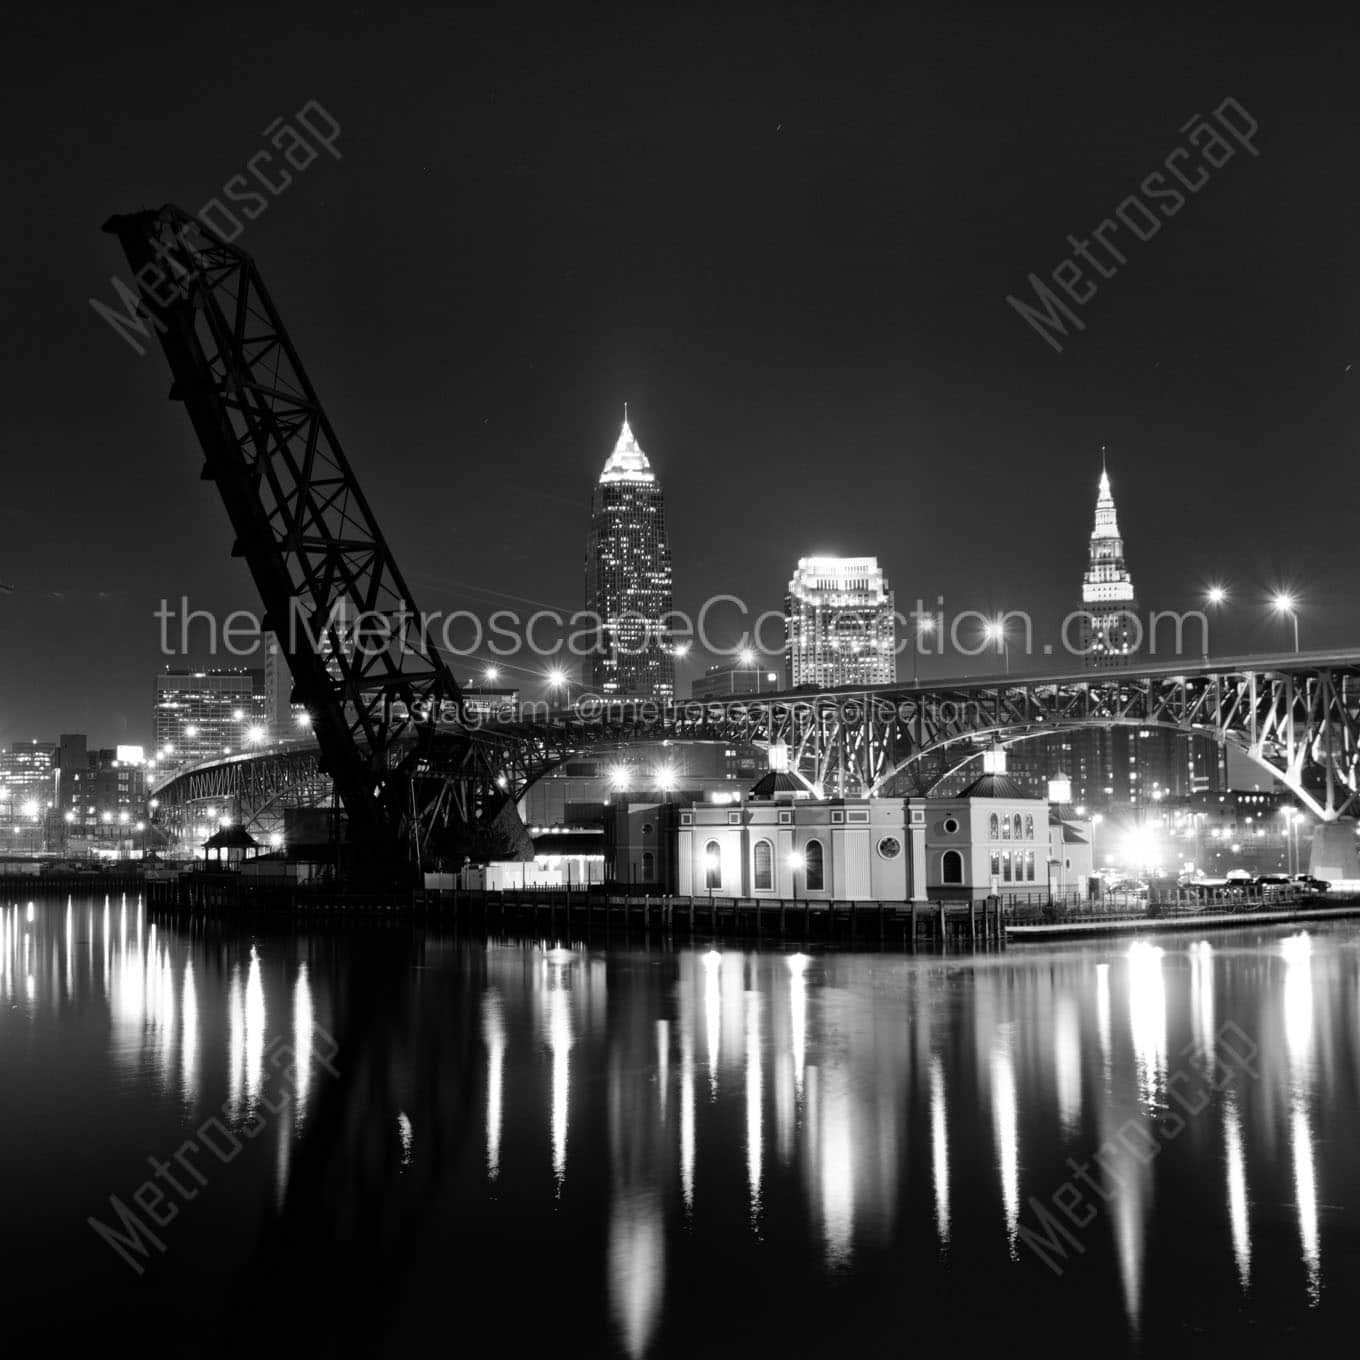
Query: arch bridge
{"x": 1297, "y": 716}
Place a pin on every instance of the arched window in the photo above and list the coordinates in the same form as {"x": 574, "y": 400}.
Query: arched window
{"x": 712, "y": 865}
{"x": 993, "y": 828}
{"x": 951, "y": 867}
{"x": 812, "y": 858}
{"x": 1015, "y": 821}
{"x": 1029, "y": 826}
{"x": 1006, "y": 866}
{"x": 763, "y": 866}
{"x": 648, "y": 866}
{"x": 1005, "y": 828}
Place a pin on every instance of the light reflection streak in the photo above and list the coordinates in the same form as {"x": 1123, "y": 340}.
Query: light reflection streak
{"x": 712, "y": 1016}
{"x": 304, "y": 1025}
{"x": 687, "y": 1116}
{"x": 754, "y": 1132}
{"x": 406, "y": 1136}
{"x": 637, "y": 1266}
{"x": 188, "y": 1039}
{"x": 559, "y": 1042}
{"x": 1147, "y": 1018}
{"x": 1103, "y": 1018}
{"x": 1298, "y": 1034}
{"x": 236, "y": 1044}
{"x": 663, "y": 1064}
{"x": 1237, "y": 1189}
{"x": 835, "y": 1156}
{"x": 1005, "y": 1121}
{"x": 798, "y": 1018}
{"x": 1202, "y": 997}
{"x": 493, "y": 1034}
{"x": 1067, "y": 1061}
{"x": 254, "y": 1031}
{"x": 939, "y": 1144}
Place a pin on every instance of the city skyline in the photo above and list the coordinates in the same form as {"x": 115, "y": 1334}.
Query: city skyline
{"x": 866, "y": 333}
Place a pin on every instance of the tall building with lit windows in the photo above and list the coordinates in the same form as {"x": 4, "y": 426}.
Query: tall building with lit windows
{"x": 628, "y": 578}
{"x": 1109, "y": 607}
{"x": 840, "y": 624}
{"x": 1118, "y": 766}
{"x": 201, "y": 714}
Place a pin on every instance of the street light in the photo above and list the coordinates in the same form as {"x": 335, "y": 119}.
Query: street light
{"x": 712, "y": 862}
{"x": 995, "y": 631}
{"x": 491, "y": 673}
{"x": 1290, "y": 816}
{"x": 1215, "y": 597}
{"x": 925, "y": 623}
{"x": 1283, "y": 602}
{"x": 557, "y": 679}
{"x": 796, "y": 863}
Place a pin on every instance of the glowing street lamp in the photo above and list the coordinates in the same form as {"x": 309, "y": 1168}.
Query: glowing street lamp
{"x": 665, "y": 779}
{"x": 1291, "y": 816}
{"x": 995, "y": 631}
{"x": 557, "y": 679}
{"x": 1283, "y": 602}
{"x": 254, "y": 735}
{"x": 796, "y": 863}
{"x": 491, "y": 673}
{"x": 712, "y": 864}
{"x": 925, "y": 623}
{"x": 1215, "y": 596}
{"x": 304, "y": 719}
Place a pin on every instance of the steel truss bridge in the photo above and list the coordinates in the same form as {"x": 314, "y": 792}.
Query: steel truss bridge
{"x": 421, "y": 777}
{"x": 1297, "y": 716}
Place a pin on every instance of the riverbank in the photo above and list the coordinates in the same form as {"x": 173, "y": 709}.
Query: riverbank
{"x": 1151, "y": 925}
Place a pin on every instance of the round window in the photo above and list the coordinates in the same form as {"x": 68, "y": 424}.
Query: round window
{"x": 647, "y": 828}
{"x": 951, "y": 825}
{"x": 890, "y": 847}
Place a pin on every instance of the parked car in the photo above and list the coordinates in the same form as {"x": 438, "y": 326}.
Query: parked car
{"x": 1272, "y": 880}
{"x": 1308, "y": 883}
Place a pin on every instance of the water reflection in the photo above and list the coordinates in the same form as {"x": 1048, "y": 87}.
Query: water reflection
{"x": 859, "y": 1110}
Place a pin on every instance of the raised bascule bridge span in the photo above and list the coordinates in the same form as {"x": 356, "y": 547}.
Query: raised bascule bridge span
{"x": 422, "y": 779}
{"x": 1296, "y": 715}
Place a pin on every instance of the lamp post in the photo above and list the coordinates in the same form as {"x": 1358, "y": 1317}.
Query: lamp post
{"x": 1283, "y": 602}
{"x": 925, "y": 623}
{"x": 995, "y": 631}
{"x": 1291, "y": 840}
{"x": 558, "y": 680}
{"x": 1215, "y": 597}
{"x": 711, "y": 863}
{"x": 796, "y": 863}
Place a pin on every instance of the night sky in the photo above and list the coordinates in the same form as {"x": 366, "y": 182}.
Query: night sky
{"x": 784, "y": 236}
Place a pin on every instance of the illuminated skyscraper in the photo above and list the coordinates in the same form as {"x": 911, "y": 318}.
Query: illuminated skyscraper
{"x": 839, "y": 622}
{"x": 1109, "y": 627}
{"x": 628, "y": 577}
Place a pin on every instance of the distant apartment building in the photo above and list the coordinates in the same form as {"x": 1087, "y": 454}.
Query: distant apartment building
{"x": 27, "y": 794}
{"x": 728, "y": 679}
{"x": 202, "y": 714}
{"x": 840, "y": 623}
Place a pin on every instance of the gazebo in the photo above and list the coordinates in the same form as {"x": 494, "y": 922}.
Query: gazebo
{"x": 225, "y": 849}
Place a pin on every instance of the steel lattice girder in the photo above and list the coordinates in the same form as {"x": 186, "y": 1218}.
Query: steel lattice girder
{"x": 328, "y": 581}
{"x": 1283, "y": 714}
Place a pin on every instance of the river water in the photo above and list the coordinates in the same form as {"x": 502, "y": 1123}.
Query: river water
{"x": 372, "y": 1137}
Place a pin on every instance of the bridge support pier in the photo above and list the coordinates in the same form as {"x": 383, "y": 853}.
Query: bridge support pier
{"x": 1333, "y": 856}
